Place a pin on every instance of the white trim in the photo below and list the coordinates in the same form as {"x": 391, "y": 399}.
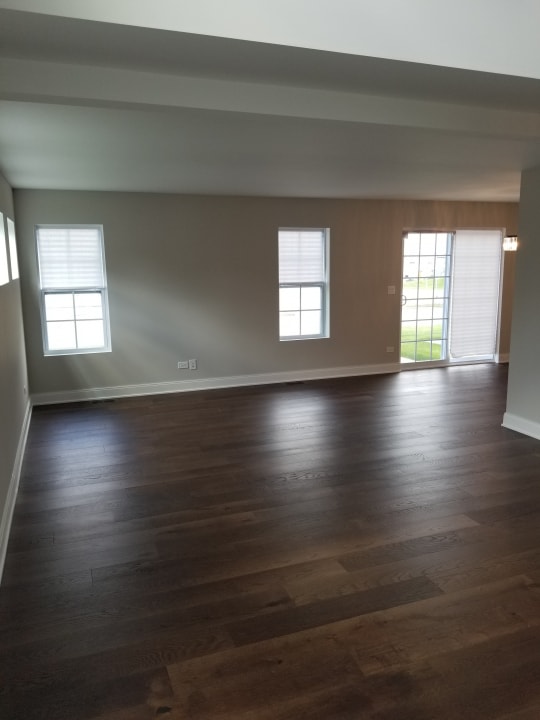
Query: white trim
{"x": 214, "y": 383}
{"x": 521, "y": 425}
{"x": 7, "y": 515}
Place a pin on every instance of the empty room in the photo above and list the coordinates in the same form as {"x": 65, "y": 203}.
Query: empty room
{"x": 269, "y": 385}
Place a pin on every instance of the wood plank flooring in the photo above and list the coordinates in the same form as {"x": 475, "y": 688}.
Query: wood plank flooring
{"x": 336, "y": 550}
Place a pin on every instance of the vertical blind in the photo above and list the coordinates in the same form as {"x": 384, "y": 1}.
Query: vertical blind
{"x": 70, "y": 258}
{"x": 301, "y": 256}
{"x": 475, "y": 293}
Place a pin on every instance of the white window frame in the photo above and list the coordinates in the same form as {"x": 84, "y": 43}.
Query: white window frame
{"x": 75, "y": 291}
{"x": 323, "y": 284}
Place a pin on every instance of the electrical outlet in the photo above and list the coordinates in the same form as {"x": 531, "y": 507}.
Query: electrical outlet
{"x": 193, "y": 364}
{"x": 183, "y": 365}
{"x": 389, "y": 348}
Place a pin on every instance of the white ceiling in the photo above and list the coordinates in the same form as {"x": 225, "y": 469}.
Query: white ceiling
{"x": 109, "y": 106}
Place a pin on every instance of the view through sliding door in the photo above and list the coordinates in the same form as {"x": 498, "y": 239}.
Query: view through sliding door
{"x": 450, "y": 296}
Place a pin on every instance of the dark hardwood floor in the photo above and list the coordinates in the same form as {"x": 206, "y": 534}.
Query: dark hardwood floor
{"x": 337, "y": 550}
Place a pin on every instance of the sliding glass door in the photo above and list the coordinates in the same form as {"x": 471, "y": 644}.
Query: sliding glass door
{"x": 450, "y": 296}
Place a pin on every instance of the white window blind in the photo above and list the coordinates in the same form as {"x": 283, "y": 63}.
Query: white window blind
{"x": 475, "y": 293}
{"x": 70, "y": 257}
{"x": 301, "y": 256}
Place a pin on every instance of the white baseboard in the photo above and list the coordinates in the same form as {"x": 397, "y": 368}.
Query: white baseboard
{"x": 521, "y": 425}
{"x": 119, "y": 391}
{"x": 7, "y": 514}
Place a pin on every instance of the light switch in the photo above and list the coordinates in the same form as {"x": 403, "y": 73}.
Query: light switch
{"x": 391, "y": 289}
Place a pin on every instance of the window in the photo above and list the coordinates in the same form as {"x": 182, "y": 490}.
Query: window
{"x": 4, "y": 271}
{"x": 303, "y": 283}
{"x": 12, "y": 249}
{"x": 74, "y": 308}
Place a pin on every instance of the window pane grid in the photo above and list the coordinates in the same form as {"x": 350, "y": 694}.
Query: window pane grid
{"x": 425, "y": 301}
{"x": 301, "y": 311}
{"x": 74, "y": 320}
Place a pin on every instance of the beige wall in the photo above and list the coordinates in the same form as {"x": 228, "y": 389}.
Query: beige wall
{"x": 13, "y": 380}
{"x": 196, "y": 277}
{"x": 523, "y": 403}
